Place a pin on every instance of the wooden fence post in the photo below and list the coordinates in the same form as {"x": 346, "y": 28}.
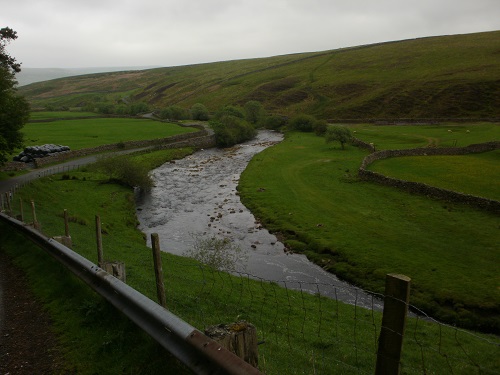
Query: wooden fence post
{"x": 66, "y": 223}
{"x": 21, "y": 215}
{"x": 36, "y": 225}
{"x": 160, "y": 287}
{"x": 390, "y": 344}
{"x": 239, "y": 338}
{"x": 98, "y": 234}
{"x": 7, "y": 199}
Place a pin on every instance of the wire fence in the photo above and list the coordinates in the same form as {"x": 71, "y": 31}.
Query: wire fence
{"x": 300, "y": 329}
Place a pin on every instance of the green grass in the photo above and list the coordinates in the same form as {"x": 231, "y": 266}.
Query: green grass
{"x": 303, "y": 333}
{"x": 473, "y": 174}
{"x": 50, "y": 115}
{"x": 441, "y": 77}
{"x": 86, "y": 133}
{"x": 392, "y": 137}
{"x": 362, "y": 231}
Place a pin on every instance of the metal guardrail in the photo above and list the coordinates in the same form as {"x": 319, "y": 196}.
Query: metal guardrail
{"x": 197, "y": 351}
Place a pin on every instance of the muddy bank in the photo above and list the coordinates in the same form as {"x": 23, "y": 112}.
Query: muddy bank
{"x": 197, "y": 195}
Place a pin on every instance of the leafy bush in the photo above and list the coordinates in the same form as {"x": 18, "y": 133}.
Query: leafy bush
{"x": 230, "y": 110}
{"x": 275, "y": 122}
{"x": 199, "y": 112}
{"x": 125, "y": 171}
{"x": 302, "y": 123}
{"x": 175, "y": 112}
{"x": 218, "y": 253}
{"x": 230, "y": 130}
{"x": 254, "y": 112}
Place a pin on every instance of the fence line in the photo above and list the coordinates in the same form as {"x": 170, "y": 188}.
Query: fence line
{"x": 304, "y": 332}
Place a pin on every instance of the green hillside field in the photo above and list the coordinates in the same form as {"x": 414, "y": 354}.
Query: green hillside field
{"x": 440, "y": 77}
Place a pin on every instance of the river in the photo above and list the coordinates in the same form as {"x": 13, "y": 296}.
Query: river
{"x": 197, "y": 196}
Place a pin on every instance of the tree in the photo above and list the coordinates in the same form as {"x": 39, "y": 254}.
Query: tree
{"x": 14, "y": 109}
{"x": 338, "y": 133}
{"x": 199, "y": 112}
{"x": 254, "y": 112}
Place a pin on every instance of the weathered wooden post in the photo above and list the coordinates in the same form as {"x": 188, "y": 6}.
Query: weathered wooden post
{"x": 36, "y": 224}
{"x": 21, "y": 214}
{"x": 66, "y": 239}
{"x": 117, "y": 269}
{"x": 98, "y": 234}
{"x": 239, "y": 338}
{"x": 390, "y": 344}
{"x": 7, "y": 199}
{"x": 160, "y": 287}
{"x": 66, "y": 223}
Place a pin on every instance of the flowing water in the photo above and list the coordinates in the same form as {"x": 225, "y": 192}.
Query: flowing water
{"x": 197, "y": 196}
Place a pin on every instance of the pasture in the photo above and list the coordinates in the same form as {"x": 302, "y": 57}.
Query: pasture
{"x": 87, "y": 133}
{"x": 309, "y": 191}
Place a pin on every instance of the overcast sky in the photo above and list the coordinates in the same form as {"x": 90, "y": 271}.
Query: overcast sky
{"x": 110, "y": 33}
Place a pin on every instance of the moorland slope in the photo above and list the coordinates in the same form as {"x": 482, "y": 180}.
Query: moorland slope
{"x": 454, "y": 76}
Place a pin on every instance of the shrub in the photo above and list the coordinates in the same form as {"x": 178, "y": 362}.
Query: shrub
{"x": 124, "y": 170}
{"x": 302, "y": 123}
{"x": 230, "y": 130}
{"x": 230, "y": 110}
{"x": 199, "y": 112}
{"x": 218, "y": 253}
{"x": 275, "y": 122}
{"x": 254, "y": 112}
{"x": 174, "y": 112}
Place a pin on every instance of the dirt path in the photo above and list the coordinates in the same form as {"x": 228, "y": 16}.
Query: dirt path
{"x": 27, "y": 343}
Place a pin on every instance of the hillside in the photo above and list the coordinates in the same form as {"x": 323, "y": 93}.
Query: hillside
{"x": 440, "y": 77}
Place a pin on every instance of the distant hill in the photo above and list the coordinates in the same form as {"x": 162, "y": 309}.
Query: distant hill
{"x": 32, "y": 75}
{"x": 454, "y": 76}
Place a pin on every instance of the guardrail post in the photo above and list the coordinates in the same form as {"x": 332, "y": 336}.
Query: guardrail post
{"x": 98, "y": 234}
{"x": 160, "y": 287}
{"x": 390, "y": 345}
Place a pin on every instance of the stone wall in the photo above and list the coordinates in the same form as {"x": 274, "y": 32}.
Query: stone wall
{"x": 424, "y": 189}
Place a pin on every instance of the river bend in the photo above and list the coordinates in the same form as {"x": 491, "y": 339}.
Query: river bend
{"x": 197, "y": 195}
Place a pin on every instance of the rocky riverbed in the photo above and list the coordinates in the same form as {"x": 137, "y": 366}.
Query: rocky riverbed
{"x": 197, "y": 196}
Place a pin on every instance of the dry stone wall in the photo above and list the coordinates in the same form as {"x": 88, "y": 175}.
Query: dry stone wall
{"x": 424, "y": 189}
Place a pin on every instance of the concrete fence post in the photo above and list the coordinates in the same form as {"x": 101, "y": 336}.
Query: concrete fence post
{"x": 160, "y": 287}
{"x": 390, "y": 344}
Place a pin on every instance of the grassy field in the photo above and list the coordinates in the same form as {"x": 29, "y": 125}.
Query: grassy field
{"x": 303, "y": 333}
{"x": 50, "y": 115}
{"x": 473, "y": 174}
{"x": 86, "y": 133}
{"x": 450, "y": 76}
{"x": 362, "y": 231}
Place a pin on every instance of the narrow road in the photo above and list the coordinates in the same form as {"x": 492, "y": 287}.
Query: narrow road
{"x": 8, "y": 185}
